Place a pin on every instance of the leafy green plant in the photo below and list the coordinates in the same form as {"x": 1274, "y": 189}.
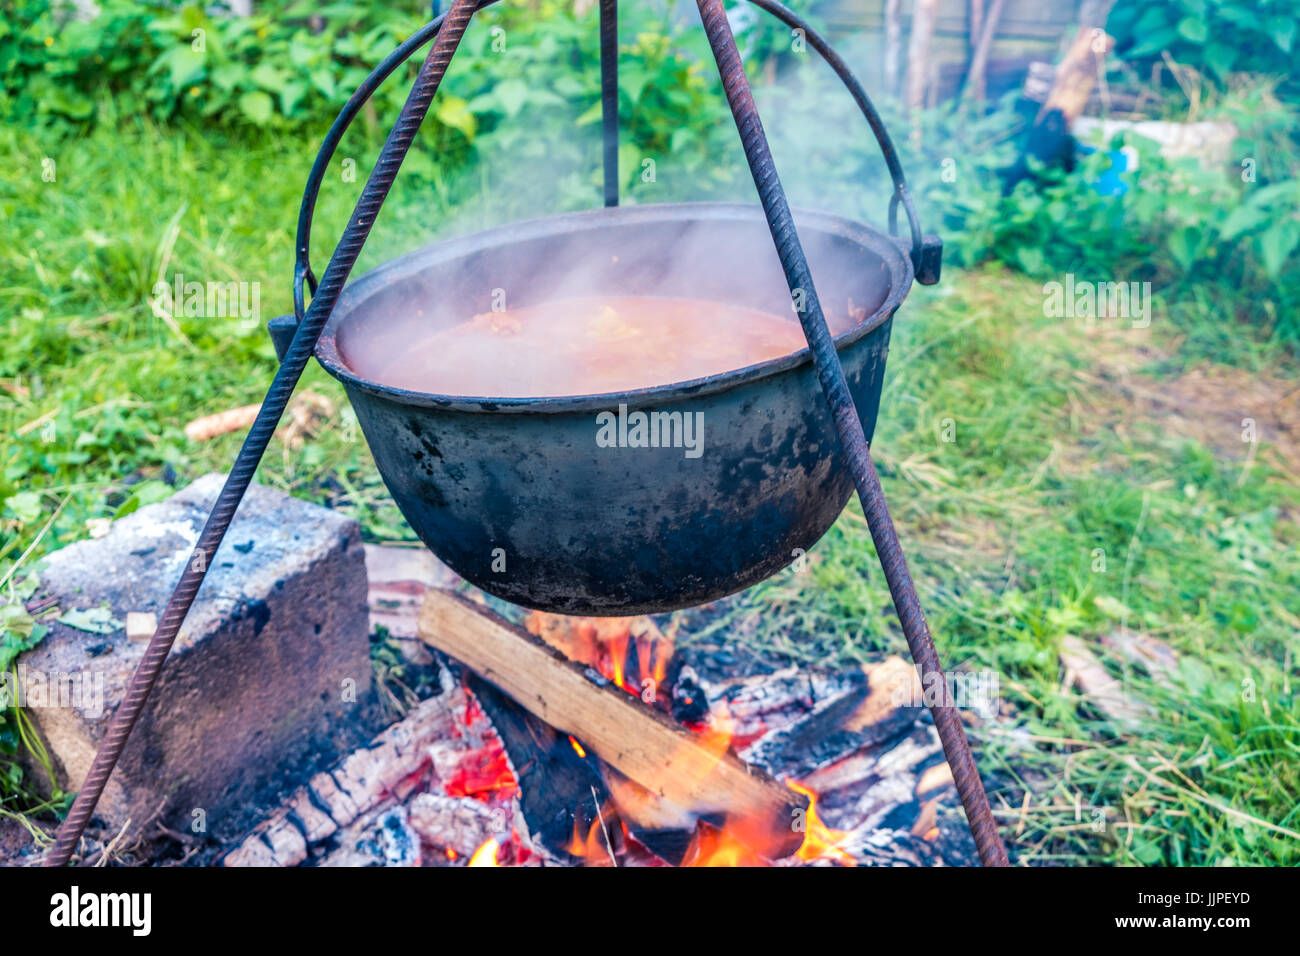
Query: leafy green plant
{"x": 19, "y": 632}
{"x": 1219, "y": 37}
{"x": 522, "y": 75}
{"x": 290, "y": 61}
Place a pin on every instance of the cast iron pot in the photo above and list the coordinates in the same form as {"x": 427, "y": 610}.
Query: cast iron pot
{"x": 518, "y": 496}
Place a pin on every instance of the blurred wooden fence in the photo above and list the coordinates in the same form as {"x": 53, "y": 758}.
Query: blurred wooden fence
{"x": 1027, "y": 30}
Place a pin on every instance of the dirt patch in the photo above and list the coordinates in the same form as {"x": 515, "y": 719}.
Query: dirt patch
{"x": 16, "y": 845}
{"x": 1240, "y": 415}
{"x": 1223, "y": 406}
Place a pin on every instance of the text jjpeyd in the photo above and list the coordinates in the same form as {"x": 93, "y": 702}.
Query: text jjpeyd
{"x": 651, "y": 430}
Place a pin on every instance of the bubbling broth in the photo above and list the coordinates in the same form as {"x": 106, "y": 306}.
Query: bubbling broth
{"x": 580, "y": 346}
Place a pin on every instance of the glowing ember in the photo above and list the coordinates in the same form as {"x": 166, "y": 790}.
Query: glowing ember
{"x": 484, "y": 775}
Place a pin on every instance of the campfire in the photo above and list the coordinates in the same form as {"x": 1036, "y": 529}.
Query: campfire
{"x": 597, "y": 742}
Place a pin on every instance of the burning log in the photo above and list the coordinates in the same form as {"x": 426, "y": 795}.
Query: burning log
{"x": 564, "y": 791}
{"x": 458, "y": 824}
{"x": 362, "y": 782}
{"x": 630, "y": 651}
{"x": 698, "y": 774}
{"x": 880, "y": 702}
{"x": 558, "y": 790}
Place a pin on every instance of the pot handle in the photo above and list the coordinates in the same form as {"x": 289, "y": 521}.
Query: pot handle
{"x": 302, "y": 274}
{"x": 926, "y": 250}
{"x": 281, "y": 328}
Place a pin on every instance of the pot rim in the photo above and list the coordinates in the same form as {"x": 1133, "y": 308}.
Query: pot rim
{"x": 887, "y": 248}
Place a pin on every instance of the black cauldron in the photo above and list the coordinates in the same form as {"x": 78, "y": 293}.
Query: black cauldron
{"x": 519, "y": 497}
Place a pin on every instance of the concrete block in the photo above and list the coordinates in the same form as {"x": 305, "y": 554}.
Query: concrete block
{"x": 269, "y": 680}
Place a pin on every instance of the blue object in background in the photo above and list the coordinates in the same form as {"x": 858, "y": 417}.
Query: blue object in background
{"x": 1122, "y": 160}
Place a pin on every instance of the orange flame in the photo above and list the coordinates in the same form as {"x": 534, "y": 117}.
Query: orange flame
{"x": 617, "y": 651}
{"x": 731, "y": 845}
{"x": 717, "y": 732}
{"x": 745, "y": 841}
{"x": 652, "y": 658}
{"x": 605, "y": 644}
{"x": 486, "y": 855}
{"x": 819, "y": 840}
{"x": 594, "y": 849}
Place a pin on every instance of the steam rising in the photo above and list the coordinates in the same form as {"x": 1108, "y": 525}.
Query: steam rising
{"x": 616, "y": 301}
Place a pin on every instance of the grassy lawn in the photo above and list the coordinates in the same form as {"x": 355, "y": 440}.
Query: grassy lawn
{"x": 1052, "y": 482}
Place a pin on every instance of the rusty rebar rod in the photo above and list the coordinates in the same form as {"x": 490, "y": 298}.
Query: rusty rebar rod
{"x": 776, "y": 208}
{"x": 609, "y": 96}
{"x": 259, "y": 436}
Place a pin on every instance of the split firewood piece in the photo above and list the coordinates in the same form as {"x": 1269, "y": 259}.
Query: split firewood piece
{"x": 1049, "y": 138}
{"x": 637, "y": 741}
{"x": 563, "y": 791}
{"x": 665, "y": 829}
{"x": 631, "y": 651}
{"x": 856, "y": 711}
{"x": 309, "y": 413}
{"x": 222, "y": 423}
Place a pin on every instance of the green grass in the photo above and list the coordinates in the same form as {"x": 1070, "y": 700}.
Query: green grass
{"x": 1002, "y": 525}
